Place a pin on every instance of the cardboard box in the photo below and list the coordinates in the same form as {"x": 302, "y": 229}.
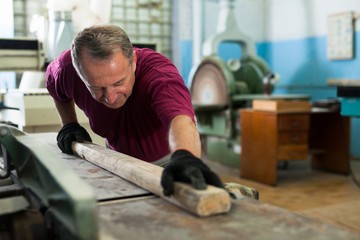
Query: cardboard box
{"x": 282, "y": 105}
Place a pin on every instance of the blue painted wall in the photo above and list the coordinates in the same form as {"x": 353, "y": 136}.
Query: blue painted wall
{"x": 303, "y": 68}
{"x": 303, "y": 65}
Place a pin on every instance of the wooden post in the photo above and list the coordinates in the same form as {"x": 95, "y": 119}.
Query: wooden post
{"x": 202, "y": 203}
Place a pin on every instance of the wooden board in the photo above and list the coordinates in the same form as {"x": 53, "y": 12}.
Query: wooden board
{"x": 202, "y": 203}
{"x": 281, "y": 105}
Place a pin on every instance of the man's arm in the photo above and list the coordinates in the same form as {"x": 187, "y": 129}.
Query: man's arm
{"x": 184, "y": 135}
{"x": 185, "y": 164}
{"x": 66, "y": 111}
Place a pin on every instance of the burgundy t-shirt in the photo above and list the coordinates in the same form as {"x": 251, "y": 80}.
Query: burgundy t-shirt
{"x": 140, "y": 127}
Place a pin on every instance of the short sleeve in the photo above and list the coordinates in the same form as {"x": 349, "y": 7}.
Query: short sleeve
{"x": 60, "y": 75}
{"x": 170, "y": 98}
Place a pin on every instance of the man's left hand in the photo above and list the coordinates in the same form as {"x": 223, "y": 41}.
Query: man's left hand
{"x": 185, "y": 167}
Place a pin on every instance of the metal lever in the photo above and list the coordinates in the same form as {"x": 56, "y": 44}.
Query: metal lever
{"x": 5, "y": 170}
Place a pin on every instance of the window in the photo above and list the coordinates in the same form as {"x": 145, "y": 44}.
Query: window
{"x": 146, "y": 21}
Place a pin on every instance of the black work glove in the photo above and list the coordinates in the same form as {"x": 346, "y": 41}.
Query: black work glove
{"x": 185, "y": 167}
{"x": 71, "y": 132}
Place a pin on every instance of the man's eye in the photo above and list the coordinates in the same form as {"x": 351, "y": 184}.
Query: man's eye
{"x": 119, "y": 83}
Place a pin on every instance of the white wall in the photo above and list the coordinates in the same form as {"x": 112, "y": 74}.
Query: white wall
{"x": 182, "y": 19}
{"x": 276, "y": 20}
{"x": 249, "y": 14}
{"x": 302, "y": 18}
{"x": 6, "y": 19}
{"x": 7, "y": 79}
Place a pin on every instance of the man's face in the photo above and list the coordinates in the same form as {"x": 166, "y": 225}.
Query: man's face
{"x": 109, "y": 81}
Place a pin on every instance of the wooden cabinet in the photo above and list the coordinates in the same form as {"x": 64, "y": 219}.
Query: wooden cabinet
{"x": 269, "y": 137}
{"x": 292, "y": 136}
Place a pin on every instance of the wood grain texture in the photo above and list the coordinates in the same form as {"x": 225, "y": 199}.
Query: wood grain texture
{"x": 292, "y": 152}
{"x": 281, "y": 106}
{"x": 269, "y": 137}
{"x": 293, "y": 137}
{"x": 293, "y": 122}
{"x": 259, "y": 146}
{"x": 202, "y": 203}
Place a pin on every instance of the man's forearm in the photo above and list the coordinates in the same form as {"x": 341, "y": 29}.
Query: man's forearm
{"x": 66, "y": 111}
{"x": 184, "y": 135}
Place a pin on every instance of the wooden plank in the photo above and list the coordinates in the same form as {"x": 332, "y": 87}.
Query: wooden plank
{"x": 281, "y": 106}
{"x": 202, "y": 203}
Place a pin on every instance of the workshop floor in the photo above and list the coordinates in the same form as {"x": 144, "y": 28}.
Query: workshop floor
{"x": 328, "y": 197}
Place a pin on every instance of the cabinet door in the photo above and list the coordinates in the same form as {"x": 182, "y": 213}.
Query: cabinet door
{"x": 258, "y": 146}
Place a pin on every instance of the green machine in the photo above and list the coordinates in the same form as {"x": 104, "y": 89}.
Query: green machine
{"x": 219, "y": 89}
{"x": 217, "y": 97}
{"x": 40, "y": 195}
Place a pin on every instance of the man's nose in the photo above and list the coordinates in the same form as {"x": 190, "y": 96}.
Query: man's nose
{"x": 110, "y": 95}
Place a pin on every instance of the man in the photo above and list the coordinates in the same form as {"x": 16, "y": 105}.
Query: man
{"x": 134, "y": 98}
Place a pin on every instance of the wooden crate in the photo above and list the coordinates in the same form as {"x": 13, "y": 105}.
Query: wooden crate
{"x": 282, "y": 105}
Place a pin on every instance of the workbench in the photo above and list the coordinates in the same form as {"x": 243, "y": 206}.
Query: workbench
{"x": 125, "y": 211}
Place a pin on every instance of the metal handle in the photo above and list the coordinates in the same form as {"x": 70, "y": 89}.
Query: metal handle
{"x": 5, "y": 170}
{"x": 295, "y": 124}
{"x": 294, "y": 154}
{"x": 294, "y": 138}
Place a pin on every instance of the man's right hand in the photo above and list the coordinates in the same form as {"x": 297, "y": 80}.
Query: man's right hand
{"x": 71, "y": 132}
{"x": 185, "y": 167}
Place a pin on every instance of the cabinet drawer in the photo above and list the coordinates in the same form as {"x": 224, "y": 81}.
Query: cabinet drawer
{"x": 293, "y": 137}
{"x": 292, "y": 152}
{"x": 293, "y": 122}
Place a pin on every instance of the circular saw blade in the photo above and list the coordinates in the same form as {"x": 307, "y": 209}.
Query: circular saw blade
{"x": 209, "y": 86}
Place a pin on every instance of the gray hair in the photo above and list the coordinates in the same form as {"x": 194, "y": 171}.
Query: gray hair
{"x": 101, "y": 42}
